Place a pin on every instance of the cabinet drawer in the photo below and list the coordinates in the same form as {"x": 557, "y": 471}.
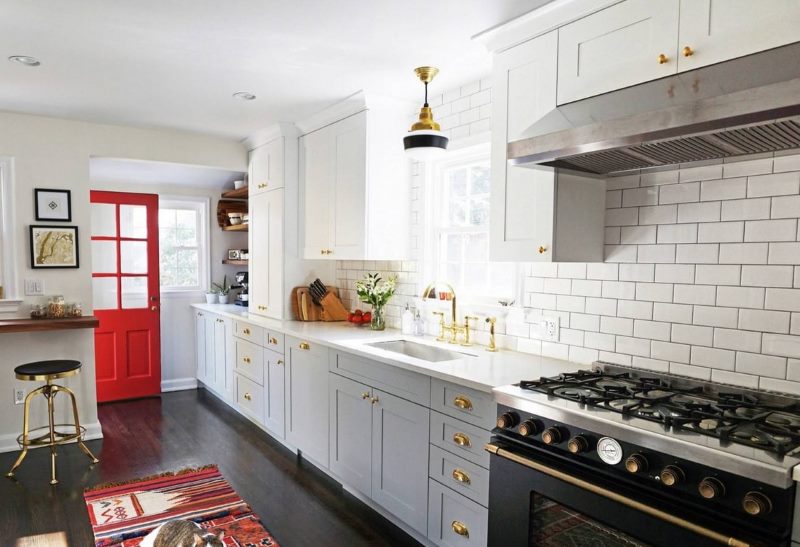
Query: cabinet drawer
{"x": 247, "y": 331}
{"x": 460, "y": 438}
{"x": 250, "y": 398}
{"x": 462, "y": 476}
{"x": 454, "y": 520}
{"x": 274, "y": 341}
{"x": 470, "y": 405}
{"x": 402, "y": 383}
{"x": 250, "y": 361}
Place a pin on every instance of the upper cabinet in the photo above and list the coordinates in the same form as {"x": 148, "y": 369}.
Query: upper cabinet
{"x": 266, "y": 167}
{"x": 528, "y": 204}
{"x": 716, "y": 30}
{"x": 629, "y": 43}
{"x": 355, "y": 184}
{"x": 266, "y": 253}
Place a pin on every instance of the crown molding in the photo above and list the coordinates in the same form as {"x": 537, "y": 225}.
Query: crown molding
{"x": 270, "y": 133}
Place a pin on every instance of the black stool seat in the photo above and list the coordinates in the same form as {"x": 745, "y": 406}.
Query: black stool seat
{"x": 43, "y": 370}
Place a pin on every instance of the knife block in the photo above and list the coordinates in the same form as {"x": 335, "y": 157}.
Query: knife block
{"x": 304, "y": 308}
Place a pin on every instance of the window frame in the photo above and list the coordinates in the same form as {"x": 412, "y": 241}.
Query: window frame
{"x": 8, "y": 239}
{"x": 434, "y": 175}
{"x": 202, "y": 206}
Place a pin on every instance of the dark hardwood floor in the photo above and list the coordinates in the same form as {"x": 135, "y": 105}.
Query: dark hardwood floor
{"x": 298, "y": 504}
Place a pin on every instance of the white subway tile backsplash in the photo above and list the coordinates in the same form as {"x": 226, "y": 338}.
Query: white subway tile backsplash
{"x": 747, "y": 167}
{"x": 661, "y": 214}
{"x": 584, "y": 356}
{"x": 619, "y": 289}
{"x": 743, "y": 253}
{"x": 600, "y": 341}
{"x": 634, "y": 309}
{"x": 764, "y": 320}
{"x": 584, "y": 322}
{"x": 746, "y": 209}
{"x": 616, "y": 325}
{"x": 633, "y": 346}
{"x": 781, "y": 345}
{"x": 671, "y": 313}
{"x": 655, "y": 292}
{"x": 713, "y": 358}
{"x": 674, "y": 273}
{"x": 636, "y": 272}
{"x": 716, "y": 190}
{"x": 557, "y": 286}
{"x": 781, "y": 386}
{"x": 786, "y": 162}
{"x": 657, "y": 178}
{"x": 761, "y": 365}
{"x": 699, "y": 212}
{"x": 654, "y": 330}
{"x": 570, "y": 303}
{"x": 620, "y": 253}
{"x": 669, "y": 351}
{"x": 737, "y": 340}
{"x": 767, "y": 276}
{"x": 544, "y": 269}
{"x": 690, "y": 371}
{"x": 740, "y": 297}
{"x": 625, "y": 181}
{"x": 650, "y": 364}
{"x": 637, "y": 235}
{"x": 655, "y": 254}
{"x": 714, "y": 274}
{"x": 715, "y": 317}
{"x": 622, "y": 217}
{"x": 616, "y": 358}
{"x": 701, "y": 253}
{"x": 678, "y": 193}
{"x": 635, "y": 197}
{"x": 703, "y": 172}
{"x": 771, "y": 230}
{"x": 602, "y": 271}
{"x": 695, "y": 294}
{"x": 778, "y": 184}
{"x": 572, "y": 270}
{"x": 586, "y": 287}
{"x": 613, "y": 235}
{"x": 786, "y": 207}
{"x": 554, "y": 350}
{"x": 677, "y": 233}
{"x": 692, "y": 334}
{"x": 601, "y": 306}
{"x": 783, "y": 299}
{"x": 784, "y": 253}
{"x": 734, "y": 379}
{"x": 793, "y": 370}
{"x": 720, "y": 232}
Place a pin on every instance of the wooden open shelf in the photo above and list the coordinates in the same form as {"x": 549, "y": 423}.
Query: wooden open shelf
{"x": 235, "y": 228}
{"x": 236, "y": 262}
{"x": 241, "y": 193}
{"x": 36, "y": 325}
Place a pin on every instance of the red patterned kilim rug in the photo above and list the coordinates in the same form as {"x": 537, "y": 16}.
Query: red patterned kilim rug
{"x": 121, "y": 515}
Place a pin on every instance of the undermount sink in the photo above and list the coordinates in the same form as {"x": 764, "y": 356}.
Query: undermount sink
{"x": 423, "y": 352}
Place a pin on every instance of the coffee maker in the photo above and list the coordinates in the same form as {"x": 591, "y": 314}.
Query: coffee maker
{"x": 242, "y": 299}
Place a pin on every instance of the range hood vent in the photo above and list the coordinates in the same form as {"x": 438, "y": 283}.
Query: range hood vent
{"x": 745, "y": 106}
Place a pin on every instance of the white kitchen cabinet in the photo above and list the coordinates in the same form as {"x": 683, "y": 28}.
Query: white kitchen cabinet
{"x": 266, "y": 168}
{"x": 717, "y": 30}
{"x": 266, "y": 254}
{"x": 274, "y": 388}
{"x": 200, "y": 338}
{"x": 536, "y": 214}
{"x": 618, "y": 47}
{"x": 355, "y": 186}
{"x": 307, "y": 399}
{"x": 351, "y": 432}
{"x": 214, "y": 352}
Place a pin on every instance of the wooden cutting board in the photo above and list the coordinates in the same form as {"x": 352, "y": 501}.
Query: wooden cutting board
{"x": 303, "y": 307}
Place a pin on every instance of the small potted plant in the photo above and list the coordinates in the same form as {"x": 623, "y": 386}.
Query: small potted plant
{"x": 211, "y": 296}
{"x": 373, "y": 290}
{"x": 223, "y": 289}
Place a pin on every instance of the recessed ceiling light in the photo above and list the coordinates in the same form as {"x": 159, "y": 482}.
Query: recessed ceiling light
{"x": 244, "y": 95}
{"x": 26, "y": 60}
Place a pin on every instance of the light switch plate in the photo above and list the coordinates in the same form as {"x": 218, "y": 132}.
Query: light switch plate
{"x": 19, "y": 396}
{"x": 34, "y": 287}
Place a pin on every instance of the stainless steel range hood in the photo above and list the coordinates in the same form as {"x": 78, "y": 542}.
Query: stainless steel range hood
{"x": 743, "y": 106}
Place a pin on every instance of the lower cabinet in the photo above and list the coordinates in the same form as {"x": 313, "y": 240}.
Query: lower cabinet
{"x": 307, "y": 398}
{"x": 379, "y": 445}
{"x": 275, "y": 386}
{"x": 214, "y": 349}
{"x": 456, "y": 521}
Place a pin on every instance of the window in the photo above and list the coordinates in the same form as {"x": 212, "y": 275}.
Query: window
{"x": 459, "y": 232}
{"x": 183, "y": 244}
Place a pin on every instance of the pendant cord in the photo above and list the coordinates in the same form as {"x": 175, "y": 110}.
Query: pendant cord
{"x": 426, "y": 94}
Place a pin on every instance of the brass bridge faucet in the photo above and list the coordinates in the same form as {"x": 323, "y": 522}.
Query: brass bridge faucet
{"x": 454, "y": 328}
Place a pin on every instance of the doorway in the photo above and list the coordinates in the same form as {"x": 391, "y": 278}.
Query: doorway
{"x": 125, "y": 286}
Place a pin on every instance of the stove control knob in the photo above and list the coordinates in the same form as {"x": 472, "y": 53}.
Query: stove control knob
{"x": 551, "y": 435}
{"x": 711, "y": 488}
{"x": 671, "y": 475}
{"x": 578, "y": 444}
{"x": 509, "y": 419}
{"x": 528, "y": 428}
{"x": 756, "y": 503}
{"x": 636, "y": 463}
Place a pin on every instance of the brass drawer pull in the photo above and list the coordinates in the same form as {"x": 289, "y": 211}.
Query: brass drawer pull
{"x": 248, "y": 397}
{"x": 262, "y": 308}
{"x": 304, "y": 345}
{"x": 246, "y": 331}
{"x": 687, "y": 51}
{"x": 273, "y": 341}
{"x": 279, "y": 361}
{"x": 463, "y": 403}
{"x": 262, "y": 186}
{"x": 663, "y": 59}
{"x": 374, "y": 400}
{"x": 460, "y": 476}
{"x": 365, "y": 395}
{"x": 460, "y": 528}
{"x": 246, "y": 360}
{"x": 462, "y": 440}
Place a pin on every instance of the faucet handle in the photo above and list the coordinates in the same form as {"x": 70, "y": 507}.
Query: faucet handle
{"x": 468, "y": 318}
{"x": 440, "y": 314}
{"x": 491, "y": 320}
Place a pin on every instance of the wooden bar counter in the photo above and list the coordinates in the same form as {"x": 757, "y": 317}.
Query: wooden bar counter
{"x": 38, "y": 325}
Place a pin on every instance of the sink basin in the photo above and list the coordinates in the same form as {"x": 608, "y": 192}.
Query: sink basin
{"x": 419, "y": 351}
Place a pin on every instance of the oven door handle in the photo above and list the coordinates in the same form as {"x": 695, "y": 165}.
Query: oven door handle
{"x": 619, "y": 498}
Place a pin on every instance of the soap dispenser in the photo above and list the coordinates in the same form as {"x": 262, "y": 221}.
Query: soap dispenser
{"x": 407, "y": 322}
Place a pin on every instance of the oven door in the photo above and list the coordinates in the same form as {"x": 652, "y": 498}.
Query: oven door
{"x": 536, "y": 500}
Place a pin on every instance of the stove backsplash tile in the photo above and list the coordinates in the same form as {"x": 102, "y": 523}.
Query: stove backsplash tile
{"x": 701, "y": 275}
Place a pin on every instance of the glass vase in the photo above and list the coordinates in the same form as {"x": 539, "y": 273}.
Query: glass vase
{"x": 378, "y": 318}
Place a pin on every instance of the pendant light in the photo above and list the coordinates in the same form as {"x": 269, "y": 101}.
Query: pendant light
{"x": 425, "y": 141}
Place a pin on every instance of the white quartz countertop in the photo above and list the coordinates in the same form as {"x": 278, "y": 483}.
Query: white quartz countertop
{"x": 478, "y": 368}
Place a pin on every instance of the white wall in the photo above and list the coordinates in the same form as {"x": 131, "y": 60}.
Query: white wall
{"x": 701, "y": 275}
{"x": 55, "y": 153}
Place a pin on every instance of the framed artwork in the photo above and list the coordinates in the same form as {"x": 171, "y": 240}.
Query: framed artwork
{"x": 234, "y": 254}
{"x": 54, "y": 247}
{"x": 53, "y": 205}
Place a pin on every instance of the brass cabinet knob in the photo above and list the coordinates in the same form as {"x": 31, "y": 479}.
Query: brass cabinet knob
{"x": 542, "y": 249}
{"x": 687, "y": 51}
{"x": 262, "y": 308}
{"x": 322, "y": 251}
{"x": 246, "y": 331}
{"x": 374, "y": 400}
{"x": 578, "y": 444}
{"x": 279, "y": 362}
{"x": 756, "y": 503}
{"x": 262, "y": 185}
{"x": 365, "y": 395}
{"x": 461, "y": 476}
{"x": 463, "y": 403}
{"x": 636, "y": 463}
{"x": 710, "y": 488}
{"x": 462, "y": 439}
{"x": 273, "y": 341}
{"x": 460, "y": 528}
{"x": 671, "y": 475}
{"x": 551, "y": 435}
{"x": 246, "y": 360}
{"x": 527, "y": 428}
{"x": 304, "y": 345}
{"x": 662, "y": 59}
{"x": 248, "y": 397}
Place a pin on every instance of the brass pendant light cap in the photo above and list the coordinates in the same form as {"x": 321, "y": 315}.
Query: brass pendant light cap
{"x": 425, "y": 121}
{"x": 426, "y": 73}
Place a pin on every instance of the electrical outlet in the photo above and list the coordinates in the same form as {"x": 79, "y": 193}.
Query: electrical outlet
{"x": 19, "y": 396}
{"x": 551, "y": 328}
{"x": 34, "y": 287}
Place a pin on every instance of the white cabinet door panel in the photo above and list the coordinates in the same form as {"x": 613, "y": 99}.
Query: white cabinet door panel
{"x": 617, "y": 47}
{"x": 266, "y": 254}
{"x": 718, "y": 30}
{"x": 307, "y": 404}
{"x": 274, "y": 387}
{"x": 351, "y": 432}
{"x": 317, "y": 165}
{"x": 348, "y": 236}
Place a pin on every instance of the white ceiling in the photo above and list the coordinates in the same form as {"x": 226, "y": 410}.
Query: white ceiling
{"x": 127, "y": 171}
{"x": 175, "y": 63}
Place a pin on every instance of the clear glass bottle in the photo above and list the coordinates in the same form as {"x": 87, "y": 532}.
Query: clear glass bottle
{"x": 56, "y": 308}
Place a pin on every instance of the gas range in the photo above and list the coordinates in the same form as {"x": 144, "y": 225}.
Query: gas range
{"x": 670, "y": 450}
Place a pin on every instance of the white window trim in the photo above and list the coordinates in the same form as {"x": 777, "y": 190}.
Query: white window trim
{"x": 203, "y": 206}
{"x": 433, "y": 173}
{"x": 8, "y": 238}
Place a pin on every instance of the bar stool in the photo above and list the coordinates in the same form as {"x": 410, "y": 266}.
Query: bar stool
{"x": 47, "y": 371}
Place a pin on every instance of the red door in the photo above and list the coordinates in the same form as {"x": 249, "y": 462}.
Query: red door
{"x": 125, "y": 286}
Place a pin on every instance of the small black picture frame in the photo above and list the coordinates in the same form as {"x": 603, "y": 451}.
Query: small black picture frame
{"x": 54, "y": 247}
{"x": 53, "y": 205}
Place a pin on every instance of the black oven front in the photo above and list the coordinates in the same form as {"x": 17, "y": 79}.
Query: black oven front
{"x": 541, "y": 498}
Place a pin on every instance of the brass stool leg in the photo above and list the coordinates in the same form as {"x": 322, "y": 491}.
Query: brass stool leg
{"x": 78, "y": 423}
{"x": 49, "y": 393}
{"x": 25, "y": 424}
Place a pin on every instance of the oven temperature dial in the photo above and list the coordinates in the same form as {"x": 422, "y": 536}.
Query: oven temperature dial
{"x": 609, "y": 450}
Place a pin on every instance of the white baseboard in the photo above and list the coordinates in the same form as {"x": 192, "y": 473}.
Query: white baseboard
{"x": 179, "y": 384}
{"x": 8, "y": 442}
